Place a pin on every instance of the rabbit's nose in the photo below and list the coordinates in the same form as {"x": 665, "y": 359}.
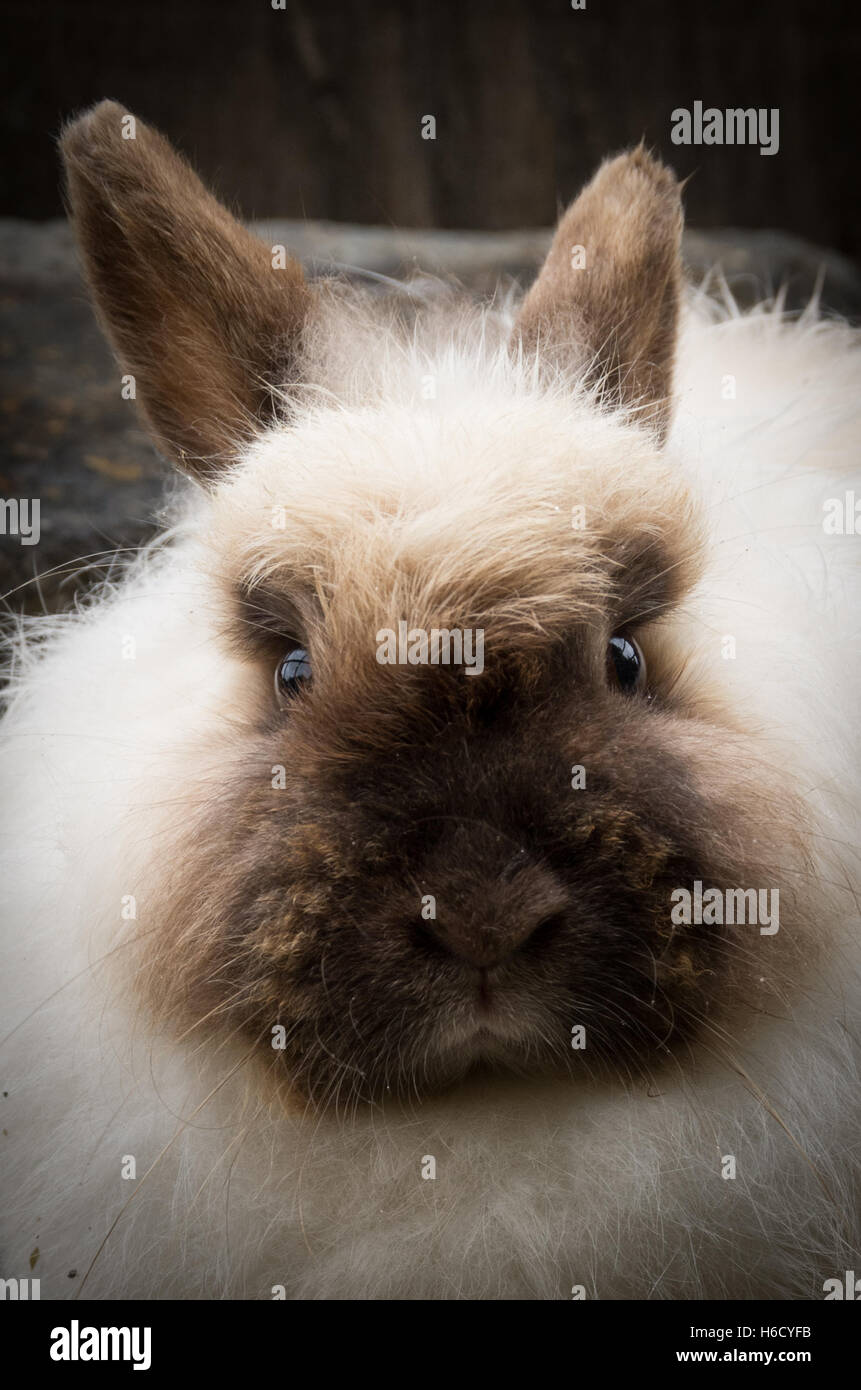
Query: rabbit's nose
{"x": 484, "y": 944}
{"x": 483, "y": 919}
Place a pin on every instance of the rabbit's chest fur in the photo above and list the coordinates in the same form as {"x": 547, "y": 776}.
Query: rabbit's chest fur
{"x": 540, "y": 1184}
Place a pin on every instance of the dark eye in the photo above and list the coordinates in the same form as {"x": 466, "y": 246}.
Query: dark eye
{"x": 291, "y": 672}
{"x": 626, "y": 666}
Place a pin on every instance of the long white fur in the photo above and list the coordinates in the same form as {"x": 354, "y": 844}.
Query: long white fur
{"x": 541, "y": 1185}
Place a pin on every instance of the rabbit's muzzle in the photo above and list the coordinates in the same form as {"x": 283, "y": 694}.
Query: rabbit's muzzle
{"x": 386, "y": 925}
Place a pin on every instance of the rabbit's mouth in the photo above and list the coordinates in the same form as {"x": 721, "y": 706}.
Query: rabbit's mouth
{"x": 507, "y": 1019}
{"x": 488, "y": 1034}
{"x": 485, "y": 1017}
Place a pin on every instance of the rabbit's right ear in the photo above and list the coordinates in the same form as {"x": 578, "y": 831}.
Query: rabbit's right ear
{"x": 606, "y": 300}
{"x": 192, "y": 303}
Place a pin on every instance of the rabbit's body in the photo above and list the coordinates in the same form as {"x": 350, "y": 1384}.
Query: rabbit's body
{"x": 155, "y": 803}
{"x": 540, "y": 1185}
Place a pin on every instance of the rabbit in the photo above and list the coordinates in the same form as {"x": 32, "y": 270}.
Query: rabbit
{"x": 334, "y": 971}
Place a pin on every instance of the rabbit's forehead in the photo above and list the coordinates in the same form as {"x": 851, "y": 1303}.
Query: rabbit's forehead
{"x": 460, "y": 509}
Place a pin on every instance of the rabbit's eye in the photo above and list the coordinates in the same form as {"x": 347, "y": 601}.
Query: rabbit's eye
{"x": 291, "y": 672}
{"x": 626, "y": 666}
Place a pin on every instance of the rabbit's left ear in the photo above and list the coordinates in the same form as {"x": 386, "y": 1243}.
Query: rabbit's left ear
{"x": 201, "y": 313}
{"x": 606, "y": 300}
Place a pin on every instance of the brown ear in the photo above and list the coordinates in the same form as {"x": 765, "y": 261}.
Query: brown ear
{"x": 607, "y": 297}
{"x": 188, "y": 298}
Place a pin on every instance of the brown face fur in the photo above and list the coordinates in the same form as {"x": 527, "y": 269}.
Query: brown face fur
{"x": 300, "y": 906}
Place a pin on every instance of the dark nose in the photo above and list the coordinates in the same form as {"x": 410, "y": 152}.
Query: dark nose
{"x": 483, "y": 918}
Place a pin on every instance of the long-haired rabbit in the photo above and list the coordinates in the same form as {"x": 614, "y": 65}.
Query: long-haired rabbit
{"x": 430, "y": 870}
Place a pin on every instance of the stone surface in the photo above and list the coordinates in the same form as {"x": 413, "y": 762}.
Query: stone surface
{"x": 68, "y": 438}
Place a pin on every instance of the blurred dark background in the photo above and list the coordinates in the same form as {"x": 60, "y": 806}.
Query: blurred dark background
{"x": 315, "y": 110}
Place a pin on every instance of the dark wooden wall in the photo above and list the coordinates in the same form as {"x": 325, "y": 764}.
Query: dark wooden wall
{"x": 315, "y": 109}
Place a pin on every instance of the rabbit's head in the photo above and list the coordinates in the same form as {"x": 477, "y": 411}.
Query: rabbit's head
{"x": 416, "y": 864}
